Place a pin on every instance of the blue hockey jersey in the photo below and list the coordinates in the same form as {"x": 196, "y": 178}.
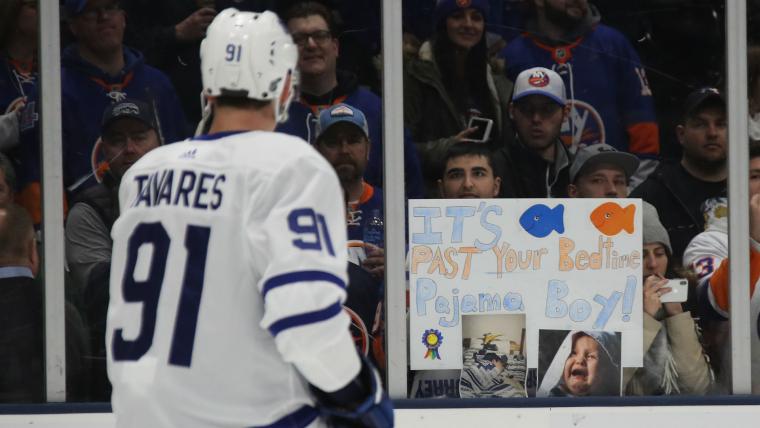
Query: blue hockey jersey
{"x": 87, "y": 91}
{"x": 302, "y": 117}
{"x": 360, "y": 211}
{"x": 19, "y": 83}
{"x": 606, "y": 84}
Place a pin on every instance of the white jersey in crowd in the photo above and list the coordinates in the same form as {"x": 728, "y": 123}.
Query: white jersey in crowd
{"x": 707, "y": 256}
{"x": 228, "y": 274}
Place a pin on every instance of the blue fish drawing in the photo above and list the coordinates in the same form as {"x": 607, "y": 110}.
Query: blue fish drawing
{"x": 539, "y": 220}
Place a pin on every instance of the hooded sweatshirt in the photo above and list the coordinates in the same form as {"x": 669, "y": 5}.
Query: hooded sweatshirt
{"x": 87, "y": 91}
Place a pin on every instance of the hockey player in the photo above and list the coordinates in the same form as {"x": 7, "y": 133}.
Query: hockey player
{"x": 228, "y": 267}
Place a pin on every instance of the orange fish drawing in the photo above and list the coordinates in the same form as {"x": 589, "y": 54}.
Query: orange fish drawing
{"x": 610, "y": 218}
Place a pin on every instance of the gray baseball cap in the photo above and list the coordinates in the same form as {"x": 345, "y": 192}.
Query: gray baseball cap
{"x": 596, "y": 154}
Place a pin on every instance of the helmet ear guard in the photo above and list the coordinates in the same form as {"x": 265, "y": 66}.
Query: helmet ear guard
{"x": 250, "y": 55}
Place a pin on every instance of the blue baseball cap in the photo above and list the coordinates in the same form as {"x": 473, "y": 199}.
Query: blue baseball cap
{"x": 341, "y": 113}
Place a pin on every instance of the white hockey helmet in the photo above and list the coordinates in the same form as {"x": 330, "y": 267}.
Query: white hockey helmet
{"x": 251, "y": 55}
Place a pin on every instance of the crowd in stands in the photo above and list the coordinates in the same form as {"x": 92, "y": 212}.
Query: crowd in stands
{"x": 567, "y": 95}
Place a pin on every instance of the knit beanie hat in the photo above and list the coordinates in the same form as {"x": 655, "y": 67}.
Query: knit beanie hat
{"x": 654, "y": 231}
{"x": 444, "y": 8}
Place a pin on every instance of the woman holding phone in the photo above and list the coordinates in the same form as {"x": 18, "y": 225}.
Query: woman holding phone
{"x": 674, "y": 360}
{"x": 451, "y": 92}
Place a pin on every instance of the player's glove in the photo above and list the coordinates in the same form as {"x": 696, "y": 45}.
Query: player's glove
{"x": 361, "y": 403}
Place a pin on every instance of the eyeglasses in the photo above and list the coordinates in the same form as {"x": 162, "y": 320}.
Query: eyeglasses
{"x": 543, "y": 110}
{"x": 92, "y": 13}
{"x": 319, "y": 37}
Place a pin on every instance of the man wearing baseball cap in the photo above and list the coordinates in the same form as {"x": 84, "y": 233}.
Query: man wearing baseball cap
{"x": 343, "y": 139}
{"x": 537, "y": 164}
{"x": 600, "y": 171}
{"x": 128, "y": 131}
{"x": 678, "y": 190}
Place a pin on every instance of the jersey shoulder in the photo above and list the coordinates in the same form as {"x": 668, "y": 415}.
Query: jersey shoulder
{"x": 258, "y": 150}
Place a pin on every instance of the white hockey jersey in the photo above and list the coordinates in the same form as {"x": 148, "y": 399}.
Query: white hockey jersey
{"x": 707, "y": 256}
{"x": 227, "y": 279}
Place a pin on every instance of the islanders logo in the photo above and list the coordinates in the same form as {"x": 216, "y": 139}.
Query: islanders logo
{"x": 583, "y": 127}
{"x": 340, "y": 111}
{"x": 538, "y": 79}
{"x": 539, "y": 220}
{"x": 432, "y": 340}
{"x": 610, "y": 218}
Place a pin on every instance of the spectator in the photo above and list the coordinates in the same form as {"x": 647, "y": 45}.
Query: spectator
{"x": 541, "y": 162}
{"x": 707, "y": 255}
{"x": 7, "y": 181}
{"x": 128, "y": 131}
{"x": 343, "y": 139}
{"x": 451, "y": 81}
{"x": 169, "y": 33}
{"x": 23, "y": 374}
{"x": 609, "y": 95}
{"x": 19, "y": 99}
{"x": 468, "y": 173}
{"x": 322, "y": 86}
{"x": 674, "y": 361}
{"x": 600, "y": 171}
{"x": 678, "y": 190}
{"x": 99, "y": 70}
{"x": 21, "y": 313}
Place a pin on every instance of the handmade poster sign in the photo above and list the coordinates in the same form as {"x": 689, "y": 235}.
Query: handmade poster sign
{"x": 567, "y": 264}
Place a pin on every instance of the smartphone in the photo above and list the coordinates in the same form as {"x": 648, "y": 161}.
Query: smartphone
{"x": 483, "y": 132}
{"x": 679, "y": 293}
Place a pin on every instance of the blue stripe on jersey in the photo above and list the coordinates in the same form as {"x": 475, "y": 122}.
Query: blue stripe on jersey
{"x": 298, "y": 419}
{"x": 305, "y": 318}
{"x": 300, "y": 276}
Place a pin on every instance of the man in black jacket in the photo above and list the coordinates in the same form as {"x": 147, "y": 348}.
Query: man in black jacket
{"x": 537, "y": 164}
{"x": 22, "y": 379}
{"x": 128, "y": 131}
{"x": 678, "y": 190}
{"x": 23, "y": 376}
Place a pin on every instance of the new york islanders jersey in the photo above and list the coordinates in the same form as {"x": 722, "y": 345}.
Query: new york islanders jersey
{"x": 707, "y": 255}
{"x": 607, "y": 89}
{"x": 227, "y": 280}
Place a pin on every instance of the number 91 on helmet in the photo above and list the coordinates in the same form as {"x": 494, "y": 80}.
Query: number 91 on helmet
{"x": 247, "y": 54}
